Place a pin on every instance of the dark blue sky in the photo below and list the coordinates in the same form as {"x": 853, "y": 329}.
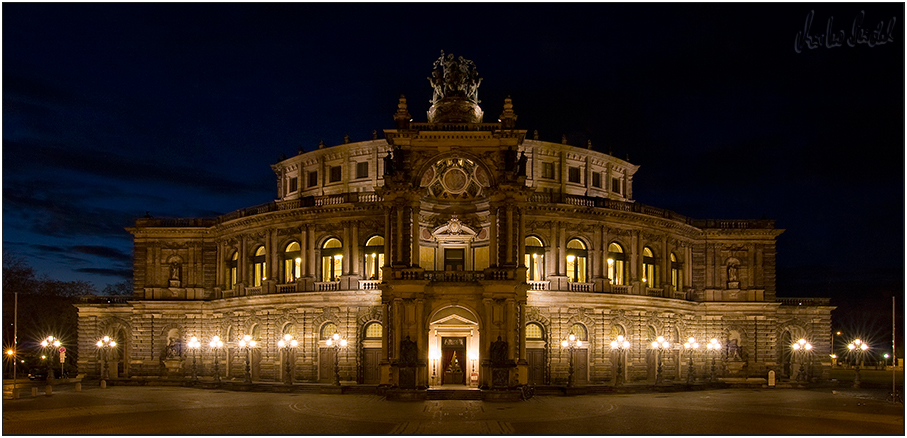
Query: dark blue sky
{"x": 111, "y": 110}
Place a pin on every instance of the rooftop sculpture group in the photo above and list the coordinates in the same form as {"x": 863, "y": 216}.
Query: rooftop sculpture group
{"x": 455, "y": 78}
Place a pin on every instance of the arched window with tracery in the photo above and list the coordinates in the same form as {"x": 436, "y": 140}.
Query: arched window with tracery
{"x": 649, "y": 273}
{"x": 676, "y": 273}
{"x": 374, "y": 257}
{"x": 579, "y": 331}
{"x": 292, "y": 262}
{"x": 331, "y": 260}
{"x": 617, "y": 261}
{"x": 232, "y": 266}
{"x": 534, "y": 332}
{"x": 534, "y": 259}
{"x": 576, "y": 261}
{"x": 328, "y": 330}
{"x": 374, "y": 330}
{"x": 259, "y": 266}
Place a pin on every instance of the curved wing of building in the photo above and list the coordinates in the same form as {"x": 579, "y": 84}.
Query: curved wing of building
{"x": 454, "y": 251}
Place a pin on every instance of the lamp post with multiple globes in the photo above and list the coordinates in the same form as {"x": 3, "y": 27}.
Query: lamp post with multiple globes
{"x": 691, "y": 345}
{"x": 336, "y": 343}
{"x": 52, "y": 344}
{"x": 571, "y": 344}
{"x": 286, "y": 344}
{"x": 857, "y": 348}
{"x": 713, "y": 347}
{"x": 104, "y": 345}
{"x": 801, "y": 349}
{"x": 215, "y": 345}
{"x": 621, "y": 345}
{"x": 659, "y": 345}
{"x": 246, "y": 344}
{"x": 194, "y": 345}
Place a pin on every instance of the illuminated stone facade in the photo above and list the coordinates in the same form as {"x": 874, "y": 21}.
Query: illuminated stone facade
{"x": 454, "y": 241}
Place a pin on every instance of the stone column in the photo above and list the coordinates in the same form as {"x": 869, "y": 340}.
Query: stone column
{"x": 493, "y": 237}
{"x": 509, "y": 256}
{"x": 562, "y": 248}
{"x": 521, "y": 236}
{"x": 414, "y": 255}
{"x": 398, "y": 257}
{"x": 242, "y": 261}
{"x": 310, "y": 250}
{"x": 354, "y": 248}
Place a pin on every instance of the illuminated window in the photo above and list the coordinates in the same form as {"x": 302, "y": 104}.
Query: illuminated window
{"x": 534, "y": 259}
{"x": 649, "y": 274}
{"x": 534, "y": 331}
{"x": 292, "y": 263}
{"x": 579, "y": 331}
{"x": 231, "y": 266}
{"x": 328, "y": 330}
{"x": 576, "y": 261}
{"x": 373, "y": 331}
{"x": 259, "y": 266}
{"x": 374, "y": 257}
{"x": 331, "y": 260}
{"x": 617, "y": 261}
{"x": 676, "y": 273}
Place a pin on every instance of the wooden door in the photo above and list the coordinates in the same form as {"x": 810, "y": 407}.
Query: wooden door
{"x": 370, "y": 370}
{"x": 580, "y": 367}
{"x": 536, "y": 359}
{"x": 326, "y": 365}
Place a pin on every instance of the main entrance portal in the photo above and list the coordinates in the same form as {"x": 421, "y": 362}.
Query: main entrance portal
{"x": 454, "y": 347}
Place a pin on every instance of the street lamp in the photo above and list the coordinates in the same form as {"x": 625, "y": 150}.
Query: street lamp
{"x": 713, "y": 348}
{"x": 857, "y": 348}
{"x": 435, "y": 358}
{"x": 105, "y": 344}
{"x": 660, "y": 345}
{"x": 620, "y": 345}
{"x": 802, "y": 348}
{"x": 215, "y": 344}
{"x": 247, "y": 344}
{"x": 691, "y": 345}
{"x": 571, "y": 344}
{"x": 286, "y": 344}
{"x": 194, "y": 345}
{"x": 53, "y": 344}
{"x": 336, "y": 343}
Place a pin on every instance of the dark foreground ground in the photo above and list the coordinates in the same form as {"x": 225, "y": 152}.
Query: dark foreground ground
{"x": 127, "y": 410}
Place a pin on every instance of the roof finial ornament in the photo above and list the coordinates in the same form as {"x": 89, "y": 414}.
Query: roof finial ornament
{"x": 374, "y": 134}
{"x": 564, "y": 138}
{"x": 402, "y": 116}
{"x": 535, "y": 134}
{"x": 588, "y": 144}
{"x": 320, "y": 144}
{"x": 346, "y": 138}
{"x": 508, "y": 117}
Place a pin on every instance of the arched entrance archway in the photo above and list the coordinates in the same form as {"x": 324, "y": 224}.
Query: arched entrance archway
{"x": 453, "y": 347}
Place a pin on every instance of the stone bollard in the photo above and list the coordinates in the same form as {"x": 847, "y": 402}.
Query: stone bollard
{"x": 34, "y": 391}
{"x": 771, "y": 379}
{"x": 48, "y": 390}
{"x": 15, "y": 393}
{"x": 103, "y": 384}
{"x": 78, "y": 386}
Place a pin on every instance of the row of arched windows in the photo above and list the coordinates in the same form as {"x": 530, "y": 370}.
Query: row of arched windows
{"x": 331, "y": 262}
{"x": 577, "y": 262}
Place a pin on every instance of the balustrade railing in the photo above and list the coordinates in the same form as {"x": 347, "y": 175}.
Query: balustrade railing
{"x": 253, "y": 290}
{"x": 655, "y": 292}
{"x": 539, "y": 285}
{"x": 580, "y": 287}
{"x": 620, "y": 289}
{"x": 286, "y": 288}
{"x": 804, "y": 301}
{"x": 322, "y": 286}
{"x": 369, "y": 284}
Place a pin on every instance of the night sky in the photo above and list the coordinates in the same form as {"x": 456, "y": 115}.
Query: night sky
{"x": 112, "y": 110}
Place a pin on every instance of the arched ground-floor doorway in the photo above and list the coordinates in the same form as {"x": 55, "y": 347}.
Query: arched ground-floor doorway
{"x": 454, "y": 347}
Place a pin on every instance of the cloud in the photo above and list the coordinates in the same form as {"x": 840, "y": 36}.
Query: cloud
{"x": 104, "y": 252}
{"x": 119, "y": 273}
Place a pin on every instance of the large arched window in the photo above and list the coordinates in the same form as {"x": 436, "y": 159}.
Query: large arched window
{"x": 232, "y": 268}
{"x": 576, "y": 261}
{"x": 259, "y": 265}
{"x": 331, "y": 260}
{"x": 617, "y": 261}
{"x": 534, "y": 331}
{"x": 374, "y": 330}
{"x": 292, "y": 263}
{"x": 676, "y": 273}
{"x": 649, "y": 273}
{"x": 534, "y": 259}
{"x": 374, "y": 257}
{"x": 328, "y": 330}
{"x": 579, "y": 331}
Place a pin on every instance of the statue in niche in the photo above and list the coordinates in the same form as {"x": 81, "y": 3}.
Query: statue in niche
{"x": 388, "y": 164}
{"x": 175, "y": 271}
{"x": 732, "y": 272}
{"x": 499, "y": 352}
{"x": 409, "y": 351}
{"x": 521, "y": 164}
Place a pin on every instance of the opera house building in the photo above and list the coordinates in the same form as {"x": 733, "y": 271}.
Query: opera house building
{"x": 454, "y": 251}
